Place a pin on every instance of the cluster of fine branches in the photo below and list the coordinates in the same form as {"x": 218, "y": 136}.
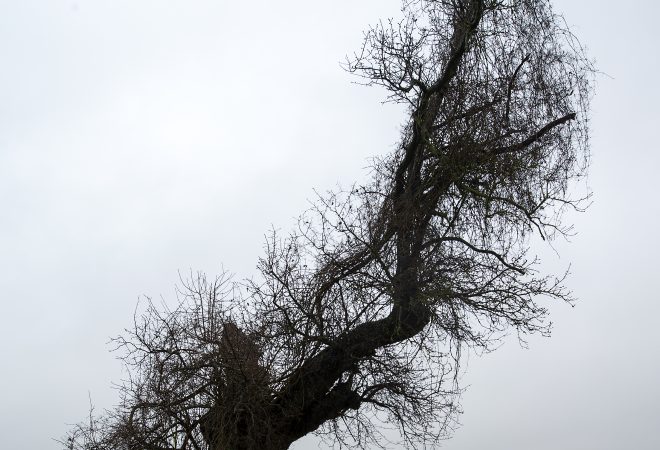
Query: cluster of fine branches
{"x": 359, "y": 316}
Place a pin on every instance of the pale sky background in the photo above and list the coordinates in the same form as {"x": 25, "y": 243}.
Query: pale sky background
{"x": 139, "y": 138}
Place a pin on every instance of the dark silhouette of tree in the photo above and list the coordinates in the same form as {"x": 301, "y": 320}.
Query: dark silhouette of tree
{"x": 361, "y": 314}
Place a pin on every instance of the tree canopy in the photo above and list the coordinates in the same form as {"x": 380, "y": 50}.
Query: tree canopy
{"x": 360, "y": 315}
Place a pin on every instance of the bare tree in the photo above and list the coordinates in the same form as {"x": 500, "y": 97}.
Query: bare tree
{"x": 360, "y": 315}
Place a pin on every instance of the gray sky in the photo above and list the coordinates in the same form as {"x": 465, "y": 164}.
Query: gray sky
{"x": 141, "y": 137}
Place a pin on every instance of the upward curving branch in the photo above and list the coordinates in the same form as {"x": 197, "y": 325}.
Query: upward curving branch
{"x": 362, "y": 313}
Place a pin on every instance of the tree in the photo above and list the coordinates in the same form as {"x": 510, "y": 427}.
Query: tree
{"x": 361, "y": 314}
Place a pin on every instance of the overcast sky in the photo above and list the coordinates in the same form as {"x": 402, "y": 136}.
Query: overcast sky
{"x": 139, "y": 138}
